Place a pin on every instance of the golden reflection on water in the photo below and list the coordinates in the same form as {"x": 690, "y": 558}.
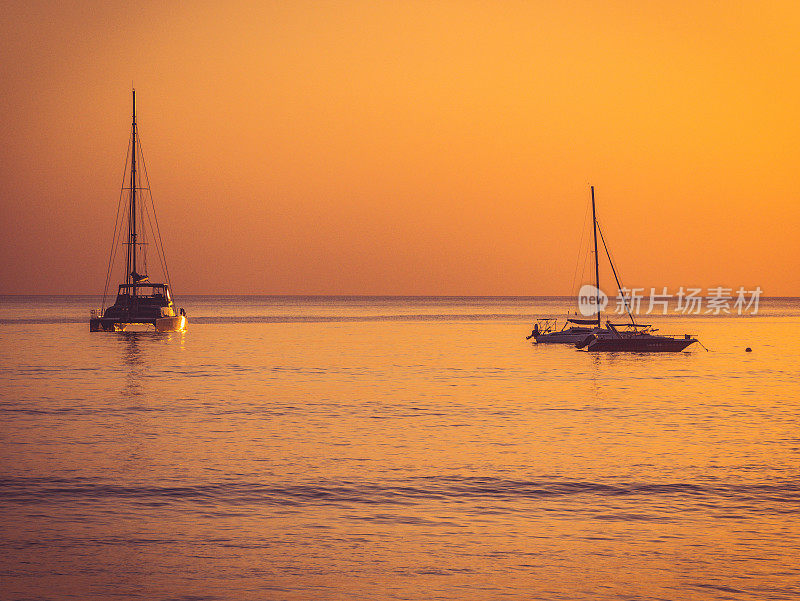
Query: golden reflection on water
{"x": 404, "y": 459}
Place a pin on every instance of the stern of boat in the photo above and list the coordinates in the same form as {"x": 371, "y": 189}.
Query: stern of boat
{"x": 171, "y": 324}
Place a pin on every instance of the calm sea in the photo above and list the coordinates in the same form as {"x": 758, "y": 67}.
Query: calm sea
{"x": 394, "y": 448}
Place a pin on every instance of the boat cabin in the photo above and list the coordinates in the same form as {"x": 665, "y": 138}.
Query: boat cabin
{"x": 152, "y": 293}
{"x": 142, "y": 300}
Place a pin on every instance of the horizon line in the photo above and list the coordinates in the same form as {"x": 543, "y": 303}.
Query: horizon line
{"x": 294, "y": 295}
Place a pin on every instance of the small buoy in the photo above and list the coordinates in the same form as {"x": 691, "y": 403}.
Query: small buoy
{"x": 748, "y": 350}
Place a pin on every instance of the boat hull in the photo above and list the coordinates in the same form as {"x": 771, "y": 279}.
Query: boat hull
{"x": 161, "y": 324}
{"x": 171, "y": 324}
{"x": 561, "y": 337}
{"x": 640, "y": 344}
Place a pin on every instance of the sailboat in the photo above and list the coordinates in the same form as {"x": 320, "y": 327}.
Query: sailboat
{"x": 631, "y": 337}
{"x": 574, "y": 330}
{"x": 138, "y": 301}
{"x": 546, "y": 330}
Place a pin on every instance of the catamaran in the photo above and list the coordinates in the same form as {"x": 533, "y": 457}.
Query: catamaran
{"x": 138, "y": 301}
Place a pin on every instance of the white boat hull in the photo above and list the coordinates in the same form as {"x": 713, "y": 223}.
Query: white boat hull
{"x": 175, "y": 323}
{"x": 171, "y": 324}
{"x": 570, "y": 336}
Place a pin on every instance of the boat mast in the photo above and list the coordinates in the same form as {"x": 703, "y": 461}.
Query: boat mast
{"x": 132, "y": 274}
{"x": 596, "y": 261}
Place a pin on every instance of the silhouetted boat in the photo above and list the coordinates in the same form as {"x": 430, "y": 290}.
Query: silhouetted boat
{"x": 574, "y": 330}
{"x": 637, "y": 338}
{"x": 138, "y": 300}
{"x": 631, "y": 337}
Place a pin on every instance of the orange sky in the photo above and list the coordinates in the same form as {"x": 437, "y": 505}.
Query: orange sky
{"x": 405, "y": 148}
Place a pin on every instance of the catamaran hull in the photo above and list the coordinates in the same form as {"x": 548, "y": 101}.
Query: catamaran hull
{"x": 161, "y": 324}
{"x": 171, "y": 324}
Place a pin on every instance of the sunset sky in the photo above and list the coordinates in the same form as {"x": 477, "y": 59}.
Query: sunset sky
{"x": 405, "y": 147}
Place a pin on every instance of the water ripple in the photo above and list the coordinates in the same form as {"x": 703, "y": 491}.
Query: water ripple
{"x": 783, "y": 496}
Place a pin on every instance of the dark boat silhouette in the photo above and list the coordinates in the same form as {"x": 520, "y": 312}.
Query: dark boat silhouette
{"x": 138, "y": 300}
{"x": 626, "y": 337}
{"x": 637, "y": 339}
{"x": 546, "y": 331}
